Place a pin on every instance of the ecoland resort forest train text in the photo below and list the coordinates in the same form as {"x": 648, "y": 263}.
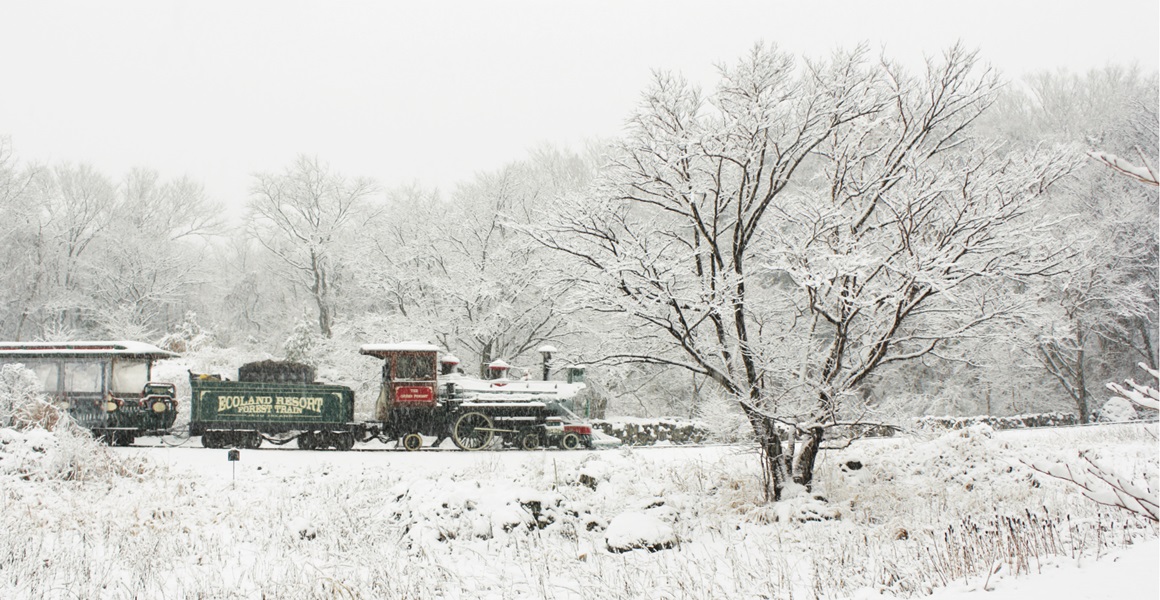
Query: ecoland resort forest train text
{"x": 107, "y": 388}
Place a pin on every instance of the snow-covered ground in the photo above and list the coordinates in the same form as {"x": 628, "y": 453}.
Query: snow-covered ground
{"x": 959, "y": 516}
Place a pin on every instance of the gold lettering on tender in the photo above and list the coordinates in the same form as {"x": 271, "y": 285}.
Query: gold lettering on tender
{"x": 245, "y": 404}
{"x": 296, "y": 405}
{"x": 283, "y": 405}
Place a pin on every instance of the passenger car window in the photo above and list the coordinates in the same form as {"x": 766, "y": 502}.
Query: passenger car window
{"x": 129, "y": 376}
{"x": 83, "y": 377}
{"x": 46, "y": 374}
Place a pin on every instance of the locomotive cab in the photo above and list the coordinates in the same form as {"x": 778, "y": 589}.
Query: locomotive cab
{"x": 408, "y": 376}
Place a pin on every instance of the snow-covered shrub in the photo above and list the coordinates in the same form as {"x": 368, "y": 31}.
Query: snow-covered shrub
{"x": 299, "y": 345}
{"x": 188, "y": 337}
{"x": 1117, "y": 410}
{"x": 637, "y": 530}
{"x": 1103, "y": 485}
{"x": 68, "y": 452}
{"x": 22, "y": 403}
{"x": 39, "y": 441}
{"x": 724, "y": 419}
{"x": 1143, "y": 396}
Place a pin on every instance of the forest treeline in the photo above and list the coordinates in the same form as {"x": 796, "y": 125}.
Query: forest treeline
{"x": 830, "y": 241}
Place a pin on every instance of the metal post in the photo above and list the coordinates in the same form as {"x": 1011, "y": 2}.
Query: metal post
{"x": 546, "y": 351}
{"x": 233, "y": 455}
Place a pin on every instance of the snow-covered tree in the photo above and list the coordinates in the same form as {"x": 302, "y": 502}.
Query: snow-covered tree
{"x": 89, "y": 256}
{"x": 16, "y": 241}
{"x": 497, "y": 298}
{"x": 306, "y": 216}
{"x": 461, "y": 269}
{"x": 1099, "y": 310}
{"x": 1142, "y": 172}
{"x": 150, "y": 265}
{"x": 806, "y": 225}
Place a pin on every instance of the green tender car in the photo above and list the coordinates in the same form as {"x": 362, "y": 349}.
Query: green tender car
{"x": 243, "y": 413}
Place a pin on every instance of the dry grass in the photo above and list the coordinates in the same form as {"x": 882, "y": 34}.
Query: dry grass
{"x": 334, "y": 533}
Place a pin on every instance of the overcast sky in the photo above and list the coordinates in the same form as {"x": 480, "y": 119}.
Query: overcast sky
{"x": 434, "y": 92}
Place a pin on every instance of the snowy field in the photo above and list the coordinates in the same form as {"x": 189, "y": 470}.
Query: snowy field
{"x": 957, "y": 516}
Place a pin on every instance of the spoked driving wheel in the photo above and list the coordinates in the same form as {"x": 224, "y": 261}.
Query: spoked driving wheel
{"x": 472, "y": 431}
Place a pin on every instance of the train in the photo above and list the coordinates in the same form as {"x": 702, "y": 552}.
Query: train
{"x": 107, "y": 388}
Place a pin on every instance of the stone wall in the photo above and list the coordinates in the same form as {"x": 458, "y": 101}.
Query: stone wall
{"x": 646, "y": 432}
{"x": 1016, "y": 422}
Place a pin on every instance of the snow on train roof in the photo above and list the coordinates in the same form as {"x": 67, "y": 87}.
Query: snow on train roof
{"x": 86, "y": 348}
{"x": 397, "y": 347}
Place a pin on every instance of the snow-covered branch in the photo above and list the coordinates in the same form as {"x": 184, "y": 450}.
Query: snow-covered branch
{"x": 1105, "y": 486}
{"x": 1142, "y": 172}
{"x": 1140, "y": 395}
{"x": 1102, "y": 484}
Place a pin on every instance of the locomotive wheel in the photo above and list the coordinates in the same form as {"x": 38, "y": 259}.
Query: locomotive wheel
{"x": 343, "y": 441}
{"x": 570, "y": 441}
{"x": 529, "y": 441}
{"x": 412, "y": 442}
{"x": 307, "y": 441}
{"x": 209, "y": 439}
{"x": 472, "y": 431}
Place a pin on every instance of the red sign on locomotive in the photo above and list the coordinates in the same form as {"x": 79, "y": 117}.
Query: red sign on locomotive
{"x": 414, "y": 394}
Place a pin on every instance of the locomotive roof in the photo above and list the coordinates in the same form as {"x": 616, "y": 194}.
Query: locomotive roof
{"x": 380, "y": 349}
{"x": 86, "y": 349}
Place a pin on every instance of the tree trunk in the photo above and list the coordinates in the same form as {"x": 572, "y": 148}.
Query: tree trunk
{"x": 1146, "y": 333}
{"x": 484, "y": 360}
{"x": 807, "y": 455}
{"x": 321, "y": 290}
{"x": 1081, "y": 396}
{"x": 323, "y": 317}
{"x": 774, "y": 470}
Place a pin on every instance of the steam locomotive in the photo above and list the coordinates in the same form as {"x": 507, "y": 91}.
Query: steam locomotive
{"x": 108, "y": 389}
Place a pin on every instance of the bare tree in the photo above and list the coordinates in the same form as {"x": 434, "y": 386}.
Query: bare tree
{"x": 1100, "y": 311}
{"x": 805, "y": 226}
{"x": 150, "y": 267}
{"x": 68, "y": 209}
{"x": 19, "y": 206}
{"x": 461, "y": 268}
{"x": 304, "y": 216}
